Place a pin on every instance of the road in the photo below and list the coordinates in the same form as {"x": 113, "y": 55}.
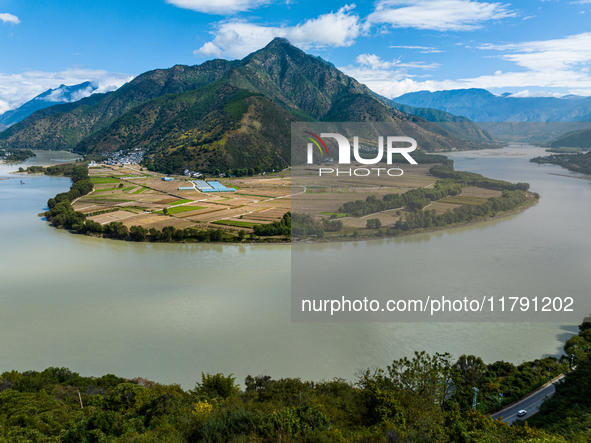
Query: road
{"x": 530, "y": 403}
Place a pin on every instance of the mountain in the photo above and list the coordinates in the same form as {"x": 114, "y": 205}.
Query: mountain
{"x": 220, "y": 114}
{"x": 2, "y": 127}
{"x": 51, "y": 97}
{"x": 480, "y": 105}
{"x": 575, "y": 139}
{"x": 218, "y": 126}
{"x": 63, "y": 128}
{"x": 460, "y": 126}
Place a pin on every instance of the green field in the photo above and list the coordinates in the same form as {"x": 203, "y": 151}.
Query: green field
{"x": 234, "y": 223}
{"x": 459, "y": 200}
{"x": 180, "y": 202}
{"x": 106, "y": 190}
{"x": 103, "y": 180}
{"x": 338, "y": 214}
{"x": 140, "y": 190}
{"x": 106, "y": 198}
{"x": 179, "y": 209}
{"x": 125, "y": 189}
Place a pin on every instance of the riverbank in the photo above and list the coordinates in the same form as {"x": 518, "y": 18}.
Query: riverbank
{"x": 233, "y": 209}
{"x": 349, "y": 238}
{"x": 139, "y": 207}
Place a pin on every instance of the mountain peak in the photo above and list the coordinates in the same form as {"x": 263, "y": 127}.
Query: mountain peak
{"x": 280, "y": 41}
{"x": 60, "y": 95}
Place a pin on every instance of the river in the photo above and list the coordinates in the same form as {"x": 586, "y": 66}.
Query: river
{"x": 168, "y": 312}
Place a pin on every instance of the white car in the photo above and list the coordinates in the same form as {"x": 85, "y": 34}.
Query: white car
{"x": 521, "y": 413}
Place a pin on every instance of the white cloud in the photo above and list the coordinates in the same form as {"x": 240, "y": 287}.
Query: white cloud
{"x": 375, "y": 62}
{"x": 237, "y": 39}
{"x": 549, "y": 56}
{"x": 60, "y": 94}
{"x": 16, "y": 89}
{"x": 439, "y": 15}
{"x": 383, "y": 77}
{"x": 527, "y": 93}
{"x": 9, "y": 18}
{"x": 561, "y": 64}
{"x": 4, "y": 106}
{"x": 218, "y": 6}
{"x": 423, "y": 49}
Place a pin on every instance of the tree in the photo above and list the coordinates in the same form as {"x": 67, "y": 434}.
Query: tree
{"x": 381, "y": 404}
{"x": 373, "y": 223}
{"x": 117, "y": 230}
{"x": 241, "y": 234}
{"x": 168, "y": 232}
{"x": 335, "y": 225}
{"x": 138, "y": 233}
{"x": 429, "y": 377}
{"x": 217, "y": 235}
{"x": 471, "y": 370}
{"x": 165, "y": 211}
{"x": 217, "y": 385}
{"x": 155, "y": 234}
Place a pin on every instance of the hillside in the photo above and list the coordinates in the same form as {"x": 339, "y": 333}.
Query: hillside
{"x": 575, "y": 139}
{"x": 480, "y": 105}
{"x": 215, "y": 127}
{"x": 193, "y": 117}
{"x": 573, "y": 162}
{"x": 568, "y": 411}
{"x": 57, "y": 405}
{"x": 64, "y": 127}
{"x": 461, "y": 127}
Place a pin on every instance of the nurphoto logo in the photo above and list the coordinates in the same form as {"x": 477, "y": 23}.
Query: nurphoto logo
{"x": 344, "y": 152}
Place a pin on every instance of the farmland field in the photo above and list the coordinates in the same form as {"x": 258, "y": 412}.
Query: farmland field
{"x": 179, "y": 209}
{"x": 103, "y": 180}
{"x": 137, "y": 198}
{"x": 234, "y": 223}
{"x": 180, "y": 202}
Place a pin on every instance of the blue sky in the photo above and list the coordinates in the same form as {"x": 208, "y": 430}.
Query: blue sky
{"x": 393, "y": 46}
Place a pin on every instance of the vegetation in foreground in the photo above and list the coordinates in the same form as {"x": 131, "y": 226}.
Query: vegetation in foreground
{"x": 568, "y": 411}
{"x": 423, "y": 399}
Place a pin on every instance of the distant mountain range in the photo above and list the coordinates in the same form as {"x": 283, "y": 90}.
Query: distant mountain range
{"x": 480, "y": 105}
{"x": 226, "y": 114}
{"x": 51, "y": 97}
